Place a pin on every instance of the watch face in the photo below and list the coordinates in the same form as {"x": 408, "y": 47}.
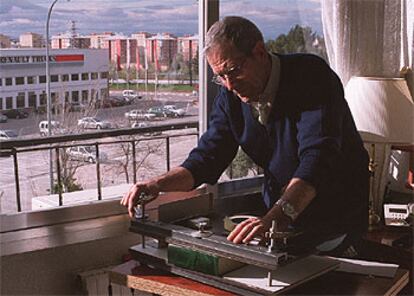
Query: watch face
{"x": 289, "y": 210}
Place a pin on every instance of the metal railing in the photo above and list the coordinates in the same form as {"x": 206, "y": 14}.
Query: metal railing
{"x": 56, "y": 143}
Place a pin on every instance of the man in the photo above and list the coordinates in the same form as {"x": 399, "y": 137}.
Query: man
{"x": 288, "y": 113}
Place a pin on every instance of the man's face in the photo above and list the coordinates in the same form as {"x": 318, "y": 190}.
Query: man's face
{"x": 241, "y": 74}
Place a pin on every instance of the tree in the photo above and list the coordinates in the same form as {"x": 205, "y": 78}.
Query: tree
{"x": 298, "y": 40}
{"x": 144, "y": 149}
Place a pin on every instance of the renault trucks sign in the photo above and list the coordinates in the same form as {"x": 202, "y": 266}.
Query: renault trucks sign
{"x": 37, "y": 59}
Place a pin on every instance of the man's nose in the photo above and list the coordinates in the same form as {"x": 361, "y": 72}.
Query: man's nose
{"x": 229, "y": 83}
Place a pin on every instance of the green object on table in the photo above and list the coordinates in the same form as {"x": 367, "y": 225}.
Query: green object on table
{"x": 201, "y": 262}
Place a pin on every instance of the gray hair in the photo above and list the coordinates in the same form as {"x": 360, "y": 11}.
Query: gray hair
{"x": 238, "y": 31}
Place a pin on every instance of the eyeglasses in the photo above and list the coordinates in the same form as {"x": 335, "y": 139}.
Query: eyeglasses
{"x": 230, "y": 73}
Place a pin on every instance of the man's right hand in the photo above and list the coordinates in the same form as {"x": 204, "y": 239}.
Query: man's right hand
{"x": 131, "y": 198}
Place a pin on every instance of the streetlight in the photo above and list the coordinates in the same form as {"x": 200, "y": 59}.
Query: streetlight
{"x": 49, "y": 99}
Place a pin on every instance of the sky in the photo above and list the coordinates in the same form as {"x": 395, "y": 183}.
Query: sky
{"x": 179, "y": 17}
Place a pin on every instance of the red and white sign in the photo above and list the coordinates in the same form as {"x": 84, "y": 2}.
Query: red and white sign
{"x": 32, "y": 59}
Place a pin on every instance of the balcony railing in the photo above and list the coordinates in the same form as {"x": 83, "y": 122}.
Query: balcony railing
{"x": 97, "y": 139}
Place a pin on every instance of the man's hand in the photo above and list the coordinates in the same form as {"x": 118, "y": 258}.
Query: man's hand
{"x": 248, "y": 229}
{"x": 131, "y": 198}
{"x": 245, "y": 231}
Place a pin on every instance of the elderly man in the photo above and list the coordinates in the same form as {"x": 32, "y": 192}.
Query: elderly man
{"x": 288, "y": 113}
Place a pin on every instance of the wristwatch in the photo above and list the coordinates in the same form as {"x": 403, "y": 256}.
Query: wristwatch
{"x": 288, "y": 209}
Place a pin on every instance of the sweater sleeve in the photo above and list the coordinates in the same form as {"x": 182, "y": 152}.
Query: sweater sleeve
{"x": 319, "y": 136}
{"x": 216, "y": 148}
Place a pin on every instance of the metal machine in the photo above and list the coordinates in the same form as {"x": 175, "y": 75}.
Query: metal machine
{"x": 206, "y": 234}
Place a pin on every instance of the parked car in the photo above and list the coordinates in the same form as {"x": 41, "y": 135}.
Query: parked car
{"x": 177, "y": 112}
{"x": 15, "y": 113}
{"x": 146, "y": 124}
{"x": 75, "y": 107}
{"x": 85, "y": 153}
{"x": 3, "y": 118}
{"x": 130, "y": 95}
{"x": 159, "y": 111}
{"x": 110, "y": 102}
{"x": 137, "y": 114}
{"x": 93, "y": 122}
{"x": 7, "y": 135}
{"x": 57, "y": 129}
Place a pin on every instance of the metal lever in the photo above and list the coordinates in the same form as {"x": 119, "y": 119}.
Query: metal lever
{"x": 270, "y": 249}
{"x": 201, "y": 233}
{"x": 140, "y": 211}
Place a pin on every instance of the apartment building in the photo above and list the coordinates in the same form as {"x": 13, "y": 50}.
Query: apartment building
{"x": 30, "y": 39}
{"x": 98, "y": 39}
{"x": 5, "y": 41}
{"x": 122, "y": 51}
{"x": 161, "y": 50}
{"x": 188, "y": 46}
{"x": 66, "y": 40}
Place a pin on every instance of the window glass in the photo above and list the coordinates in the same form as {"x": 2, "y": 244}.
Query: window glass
{"x": 9, "y": 102}
{"x": 32, "y": 99}
{"x": 75, "y": 96}
{"x": 54, "y": 78}
{"x": 19, "y": 80}
{"x": 42, "y": 79}
{"x": 154, "y": 62}
{"x": 31, "y": 79}
{"x": 85, "y": 96}
{"x": 42, "y": 99}
{"x": 20, "y": 100}
{"x": 1, "y": 81}
{"x": 67, "y": 97}
{"x": 9, "y": 81}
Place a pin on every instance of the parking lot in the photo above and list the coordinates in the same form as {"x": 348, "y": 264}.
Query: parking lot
{"x": 29, "y": 127}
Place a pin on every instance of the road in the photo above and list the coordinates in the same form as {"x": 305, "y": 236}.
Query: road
{"x": 33, "y": 166}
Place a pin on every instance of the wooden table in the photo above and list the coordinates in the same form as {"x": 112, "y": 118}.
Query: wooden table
{"x": 142, "y": 278}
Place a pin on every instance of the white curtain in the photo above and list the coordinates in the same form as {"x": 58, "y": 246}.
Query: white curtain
{"x": 370, "y": 38}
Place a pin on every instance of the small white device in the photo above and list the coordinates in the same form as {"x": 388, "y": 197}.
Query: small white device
{"x": 396, "y": 214}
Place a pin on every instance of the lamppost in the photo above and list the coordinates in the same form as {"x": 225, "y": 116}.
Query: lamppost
{"x": 49, "y": 99}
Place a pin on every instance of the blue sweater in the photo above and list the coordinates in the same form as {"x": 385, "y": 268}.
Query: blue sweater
{"x": 310, "y": 134}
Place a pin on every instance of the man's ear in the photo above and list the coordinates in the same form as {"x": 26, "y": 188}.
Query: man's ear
{"x": 259, "y": 50}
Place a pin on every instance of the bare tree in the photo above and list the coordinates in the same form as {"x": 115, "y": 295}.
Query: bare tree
{"x": 145, "y": 149}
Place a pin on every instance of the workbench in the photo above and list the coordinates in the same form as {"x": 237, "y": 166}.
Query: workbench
{"x": 143, "y": 278}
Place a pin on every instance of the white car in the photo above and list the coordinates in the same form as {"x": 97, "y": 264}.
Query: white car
{"x": 178, "y": 112}
{"x": 136, "y": 114}
{"x": 93, "y": 122}
{"x": 130, "y": 95}
{"x": 145, "y": 124}
{"x": 85, "y": 153}
{"x": 57, "y": 129}
{"x": 7, "y": 135}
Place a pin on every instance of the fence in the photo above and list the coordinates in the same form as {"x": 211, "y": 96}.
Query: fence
{"x": 57, "y": 143}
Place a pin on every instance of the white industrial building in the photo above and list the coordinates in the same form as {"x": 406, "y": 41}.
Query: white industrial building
{"x": 77, "y": 76}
